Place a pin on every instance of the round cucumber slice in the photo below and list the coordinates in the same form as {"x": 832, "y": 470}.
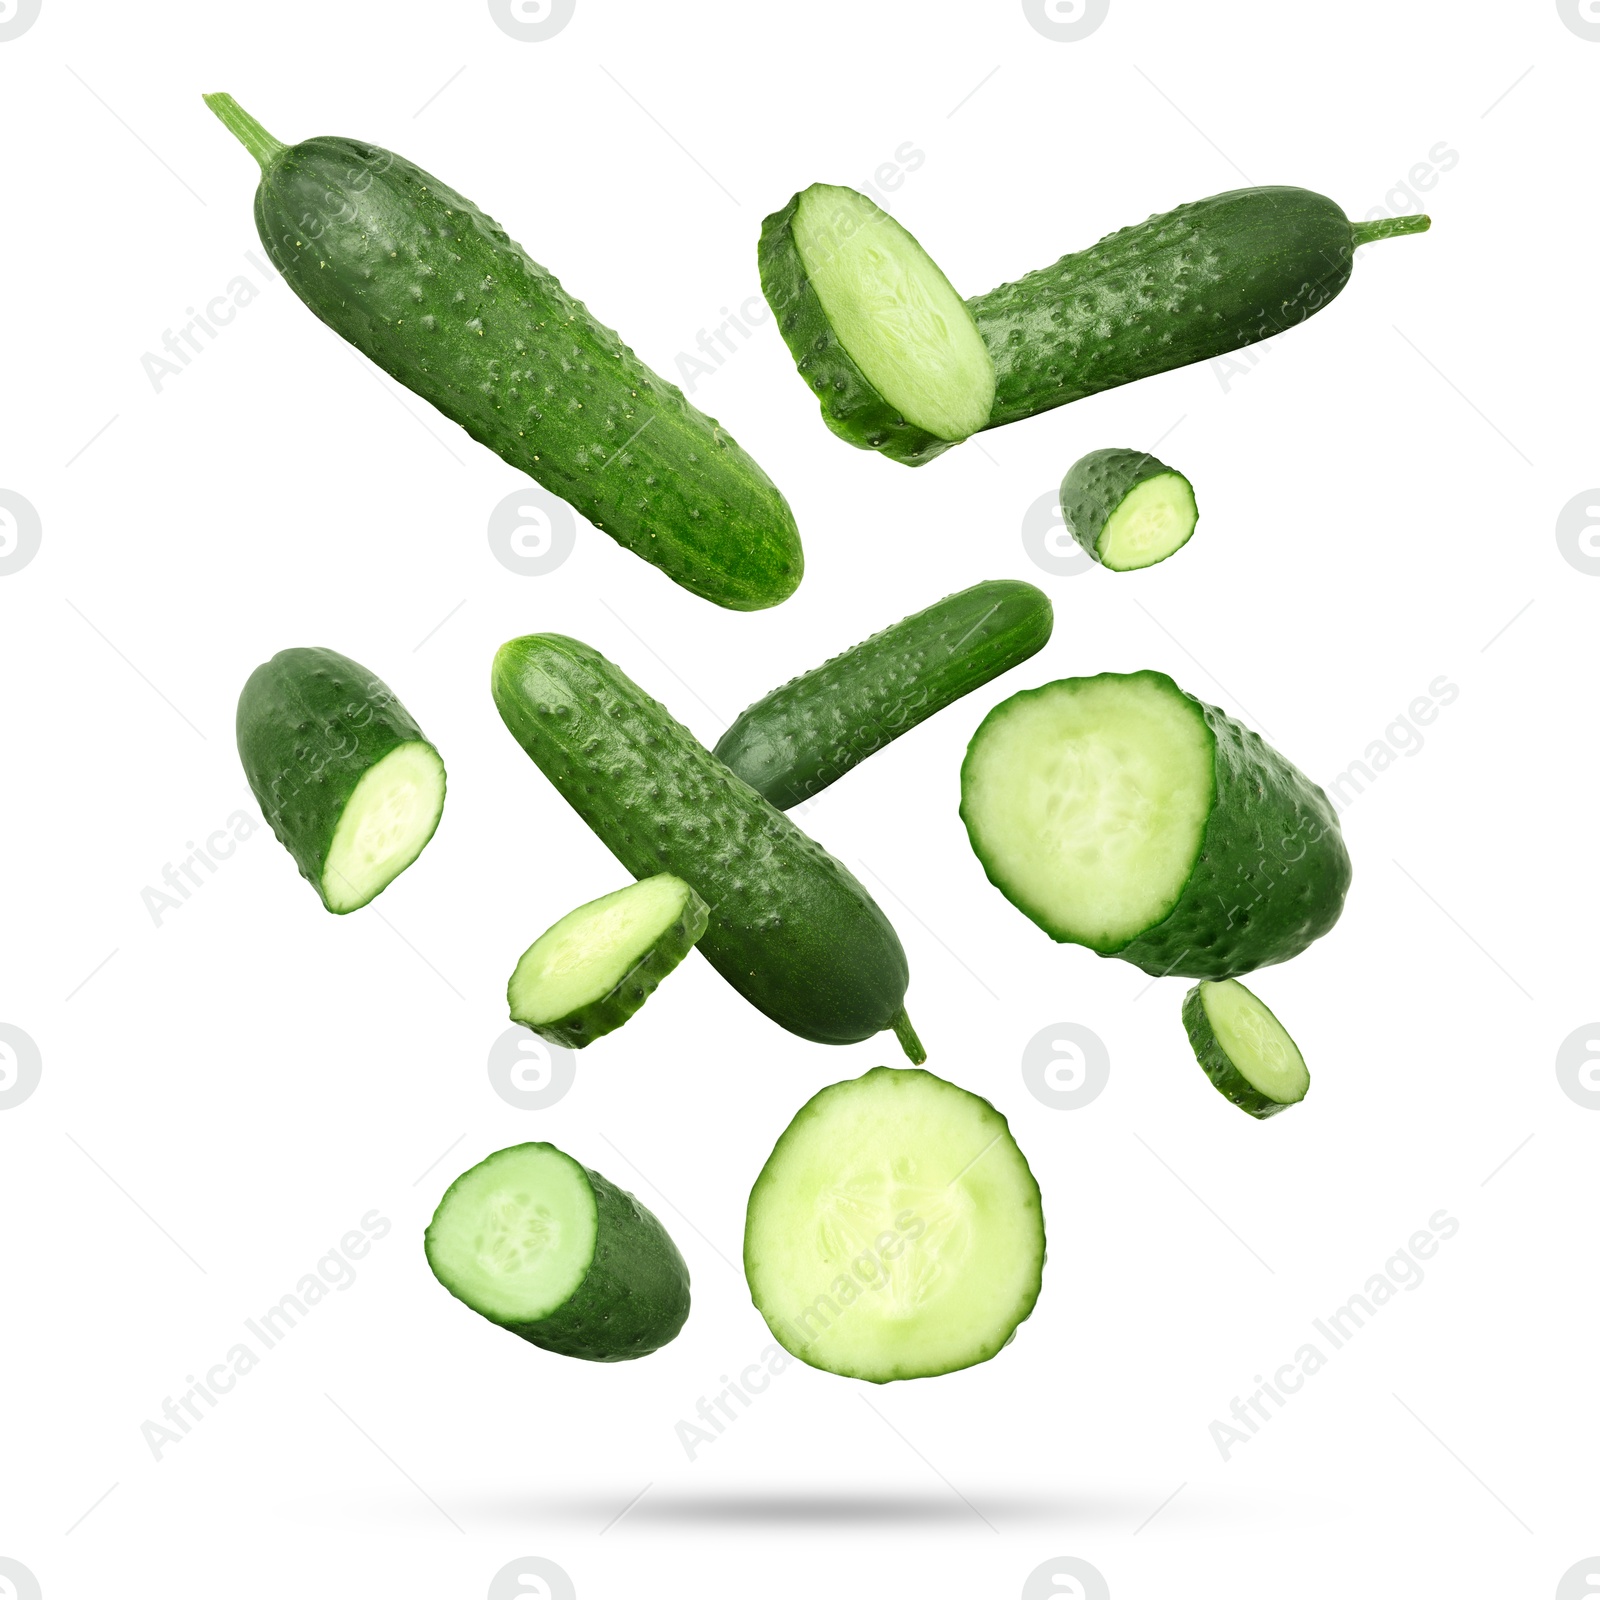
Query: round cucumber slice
{"x": 1122, "y": 814}
{"x": 548, "y": 1249}
{"x": 896, "y": 1230}
{"x": 1244, "y": 1050}
{"x": 886, "y": 343}
{"x": 1127, "y": 509}
{"x": 591, "y": 971}
{"x": 388, "y": 819}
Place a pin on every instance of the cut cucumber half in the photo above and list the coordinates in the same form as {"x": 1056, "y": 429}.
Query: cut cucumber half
{"x": 895, "y": 1231}
{"x": 341, "y": 772}
{"x": 1244, "y": 1050}
{"x": 1122, "y": 814}
{"x": 551, "y": 1251}
{"x": 1127, "y": 509}
{"x": 875, "y": 327}
{"x": 591, "y": 971}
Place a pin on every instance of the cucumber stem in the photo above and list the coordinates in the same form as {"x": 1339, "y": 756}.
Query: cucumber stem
{"x": 245, "y": 128}
{"x": 1388, "y": 228}
{"x": 907, "y": 1035}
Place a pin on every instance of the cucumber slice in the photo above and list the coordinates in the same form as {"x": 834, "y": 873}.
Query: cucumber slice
{"x": 1127, "y": 509}
{"x": 874, "y": 326}
{"x": 1244, "y": 1050}
{"x": 341, "y": 772}
{"x": 551, "y": 1251}
{"x": 1122, "y": 814}
{"x": 591, "y": 971}
{"x": 896, "y": 1230}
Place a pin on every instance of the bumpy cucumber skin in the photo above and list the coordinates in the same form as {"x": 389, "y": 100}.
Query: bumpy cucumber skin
{"x": 806, "y": 735}
{"x": 1098, "y": 483}
{"x": 423, "y": 283}
{"x": 1271, "y": 873}
{"x": 781, "y": 1329}
{"x": 851, "y": 406}
{"x": 608, "y": 1013}
{"x": 634, "y": 1297}
{"x": 310, "y": 724}
{"x": 790, "y": 928}
{"x": 1187, "y": 285}
{"x": 1218, "y": 1066}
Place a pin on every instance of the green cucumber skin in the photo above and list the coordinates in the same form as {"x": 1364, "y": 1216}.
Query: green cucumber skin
{"x": 610, "y": 1011}
{"x": 1098, "y": 483}
{"x": 634, "y": 1297}
{"x": 851, "y": 406}
{"x": 1271, "y": 873}
{"x": 310, "y": 723}
{"x": 790, "y": 928}
{"x": 806, "y": 735}
{"x": 1219, "y": 1068}
{"x": 1188, "y": 285}
{"x": 424, "y": 284}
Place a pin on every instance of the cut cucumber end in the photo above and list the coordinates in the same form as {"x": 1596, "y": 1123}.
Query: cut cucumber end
{"x": 1245, "y": 1051}
{"x": 896, "y": 1230}
{"x": 1086, "y": 801}
{"x": 589, "y": 972}
{"x": 245, "y": 128}
{"x": 514, "y": 1237}
{"x": 895, "y": 312}
{"x": 1156, "y": 518}
{"x": 389, "y": 817}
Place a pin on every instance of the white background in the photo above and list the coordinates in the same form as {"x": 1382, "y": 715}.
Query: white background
{"x": 231, "y": 1091}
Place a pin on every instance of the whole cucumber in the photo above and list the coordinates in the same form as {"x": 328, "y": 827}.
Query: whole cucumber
{"x": 790, "y": 928}
{"x": 434, "y": 291}
{"x": 806, "y": 735}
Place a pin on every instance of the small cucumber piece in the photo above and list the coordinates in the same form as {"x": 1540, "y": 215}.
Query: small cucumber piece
{"x": 1189, "y": 285}
{"x": 1127, "y": 509}
{"x": 896, "y": 1230}
{"x": 554, "y": 1253}
{"x": 434, "y": 292}
{"x": 1244, "y": 1050}
{"x": 341, "y": 772}
{"x": 1122, "y": 814}
{"x": 808, "y": 734}
{"x": 586, "y": 975}
{"x": 875, "y": 328}
{"x": 791, "y": 929}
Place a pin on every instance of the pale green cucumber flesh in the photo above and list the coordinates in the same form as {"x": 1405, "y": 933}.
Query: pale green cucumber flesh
{"x": 589, "y": 972}
{"x": 895, "y": 312}
{"x": 384, "y": 825}
{"x": 1243, "y": 1048}
{"x": 1087, "y": 802}
{"x": 1154, "y": 519}
{"x": 896, "y": 1230}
